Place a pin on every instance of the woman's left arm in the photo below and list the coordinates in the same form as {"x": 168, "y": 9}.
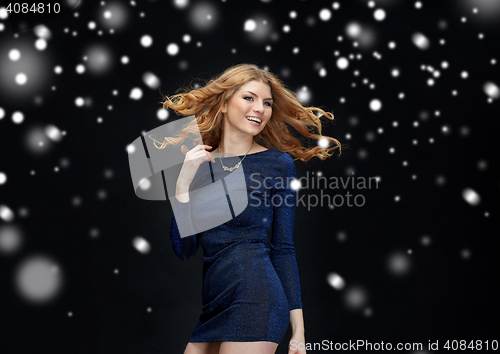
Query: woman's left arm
{"x": 298, "y": 340}
{"x": 282, "y": 253}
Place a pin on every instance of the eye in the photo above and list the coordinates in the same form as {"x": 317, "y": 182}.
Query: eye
{"x": 251, "y": 98}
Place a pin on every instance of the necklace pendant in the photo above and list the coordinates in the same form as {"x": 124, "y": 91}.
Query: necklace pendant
{"x": 231, "y": 169}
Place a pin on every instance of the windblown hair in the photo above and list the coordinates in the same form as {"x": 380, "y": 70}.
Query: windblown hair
{"x": 206, "y": 104}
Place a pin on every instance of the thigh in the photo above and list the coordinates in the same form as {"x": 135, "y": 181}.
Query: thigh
{"x": 248, "y": 348}
{"x": 202, "y": 348}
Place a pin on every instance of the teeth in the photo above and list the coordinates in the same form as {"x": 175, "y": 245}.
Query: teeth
{"x": 253, "y": 119}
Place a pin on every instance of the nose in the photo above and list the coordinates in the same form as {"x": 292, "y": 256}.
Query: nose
{"x": 259, "y": 107}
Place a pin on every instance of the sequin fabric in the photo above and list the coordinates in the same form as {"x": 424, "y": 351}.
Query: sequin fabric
{"x": 250, "y": 285}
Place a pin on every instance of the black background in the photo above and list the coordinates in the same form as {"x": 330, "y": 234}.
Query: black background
{"x": 442, "y": 296}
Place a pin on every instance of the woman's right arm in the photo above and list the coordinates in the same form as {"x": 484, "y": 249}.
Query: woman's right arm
{"x": 185, "y": 246}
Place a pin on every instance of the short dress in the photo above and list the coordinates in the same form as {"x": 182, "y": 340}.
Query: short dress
{"x": 250, "y": 283}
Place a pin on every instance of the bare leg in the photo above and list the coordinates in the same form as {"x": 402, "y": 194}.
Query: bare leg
{"x": 248, "y": 348}
{"x": 202, "y": 348}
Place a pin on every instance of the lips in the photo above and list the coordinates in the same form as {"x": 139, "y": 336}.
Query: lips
{"x": 254, "y": 120}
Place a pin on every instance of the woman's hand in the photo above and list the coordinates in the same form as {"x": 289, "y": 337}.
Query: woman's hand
{"x": 297, "y": 344}
{"x": 194, "y": 158}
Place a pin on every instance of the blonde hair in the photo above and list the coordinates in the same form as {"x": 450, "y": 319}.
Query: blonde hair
{"x": 206, "y": 104}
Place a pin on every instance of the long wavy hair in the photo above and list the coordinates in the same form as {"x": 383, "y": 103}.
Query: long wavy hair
{"x": 206, "y": 102}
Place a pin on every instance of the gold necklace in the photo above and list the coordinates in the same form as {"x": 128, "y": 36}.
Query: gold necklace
{"x": 231, "y": 169}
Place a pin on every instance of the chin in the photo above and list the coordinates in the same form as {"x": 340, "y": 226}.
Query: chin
{"x": 256, "y": 132}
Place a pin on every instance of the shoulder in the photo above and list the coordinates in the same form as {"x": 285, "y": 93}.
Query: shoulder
{"x": 282, "y": 157}
{"x": 260, "y": 148}
{"x": 284, "y": 164}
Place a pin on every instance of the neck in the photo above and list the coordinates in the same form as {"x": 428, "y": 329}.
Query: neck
{"x": 237, "y": 148}
{"x": 234, "y": 141}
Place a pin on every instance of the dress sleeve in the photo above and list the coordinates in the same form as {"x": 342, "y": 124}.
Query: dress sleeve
{"x": 184, "y": 247}
{"x": 282, "y": 253}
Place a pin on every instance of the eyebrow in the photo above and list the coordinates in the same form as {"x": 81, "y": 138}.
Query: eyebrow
{"x": 258, "y": 96}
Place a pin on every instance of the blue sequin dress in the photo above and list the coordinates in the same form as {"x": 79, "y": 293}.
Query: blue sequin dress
{"x": 249, "y": 288}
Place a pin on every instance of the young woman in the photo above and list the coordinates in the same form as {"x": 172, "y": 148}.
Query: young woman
{"x": 250, "y": 291}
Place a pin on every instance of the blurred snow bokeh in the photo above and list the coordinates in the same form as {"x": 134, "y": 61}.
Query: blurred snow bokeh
{"x": 38, "y": 280}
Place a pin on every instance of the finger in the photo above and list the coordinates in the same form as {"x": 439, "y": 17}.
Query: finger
{"x": 197, "y": 154}
{"x": 203, "y": 153}
{"x": 200, "y": 148}
{"x": 208, "y": 156}
{"x": 203, "y": 147}
{"x": 204, "y": 158}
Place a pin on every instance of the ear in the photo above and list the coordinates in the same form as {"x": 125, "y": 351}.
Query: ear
{"x": 224, "y": 108}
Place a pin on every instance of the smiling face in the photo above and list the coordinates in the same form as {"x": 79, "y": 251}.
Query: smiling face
{"x": 249, "y": 110}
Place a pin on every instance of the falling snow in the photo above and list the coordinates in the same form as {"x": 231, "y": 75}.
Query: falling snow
{"x": 414, "y": 91}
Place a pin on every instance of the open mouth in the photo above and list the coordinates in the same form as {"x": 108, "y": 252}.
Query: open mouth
{"x": 253, "y": 120}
